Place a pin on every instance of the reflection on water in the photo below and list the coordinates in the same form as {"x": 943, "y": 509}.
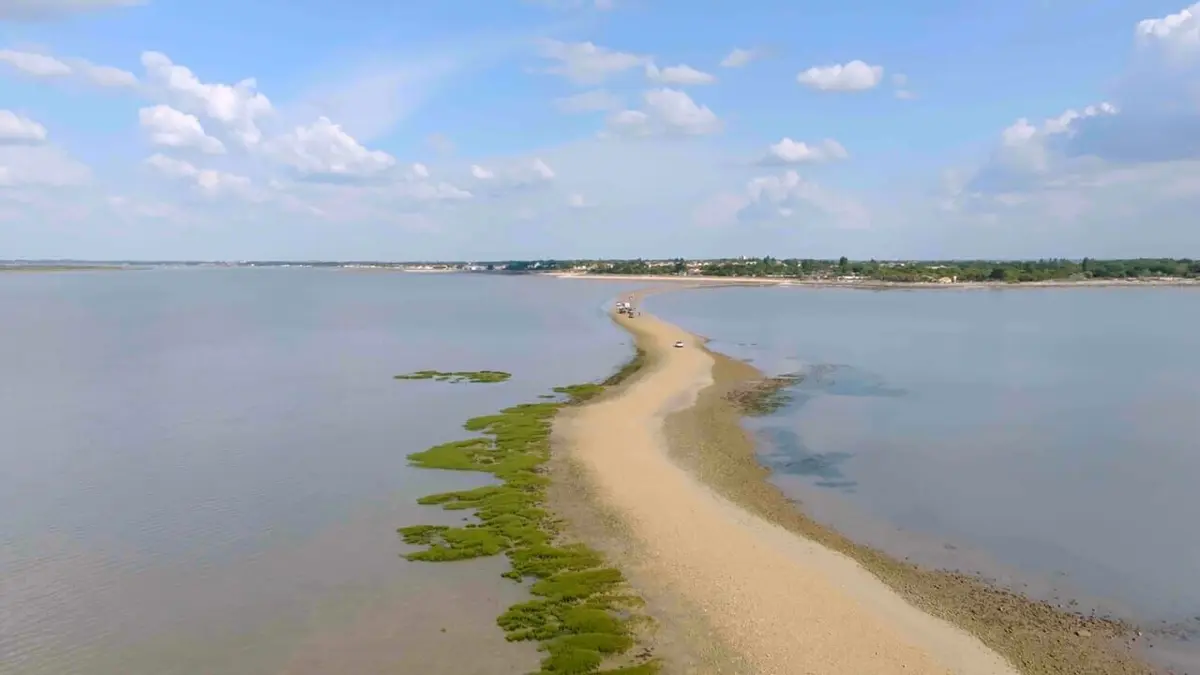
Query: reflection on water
{"x": 204, "y": 469}
{"x": 783, "y": 448}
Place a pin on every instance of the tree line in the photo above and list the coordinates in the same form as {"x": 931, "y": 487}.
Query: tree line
{"x": 1050, "y": 269}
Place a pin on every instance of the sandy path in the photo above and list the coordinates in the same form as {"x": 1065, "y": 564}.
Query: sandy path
{"x": 787, "y": 605}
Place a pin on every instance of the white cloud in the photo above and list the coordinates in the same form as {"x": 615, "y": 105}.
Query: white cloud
{"x": 17, "y": 129}
{"x": 40, "y": 166}
{"x": 106, "y": 76}
{"x": 666, "y": 112}
{"x": 788, "y": 192}
{"x": 1179, "y": 32}
{"x": 853, "y": 76}
{"x": 44, "y": 65}
{"x": 1026, "y": 147}
{"x": 682, "y": 75}
{"x": 589, "y": 101}
{"x": 38, "y": 65}
{"x": 23, "y": 10}
{"x": 210, "y": 182}
{"x": 172, "y": 128}
{"x": 585, "y": 62}
{"x": 787, "y": 151}
{"x": 323, "y": 149}
{"x": 512, "y": 175}
{"x": 238, "y": 107}
{"x": 739, "y": 58}
{"x": 434, "y": 192}
{"x": 419, "y": 170}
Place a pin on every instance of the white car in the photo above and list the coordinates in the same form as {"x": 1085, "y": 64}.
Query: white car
{"x": 679, "y": 344}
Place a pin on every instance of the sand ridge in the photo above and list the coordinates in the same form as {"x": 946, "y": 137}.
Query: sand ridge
{"x": 783, "y": 603}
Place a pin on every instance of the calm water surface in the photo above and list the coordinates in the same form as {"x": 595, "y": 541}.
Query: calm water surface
{"x": 204, "y": 469}
{"x": 1049, "y": 436}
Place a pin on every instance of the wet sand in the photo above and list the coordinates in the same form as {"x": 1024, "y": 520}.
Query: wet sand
{"x": 741, "y": 581}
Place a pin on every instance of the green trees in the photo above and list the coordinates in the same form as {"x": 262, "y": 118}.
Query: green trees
{"x": 931, "y": 271}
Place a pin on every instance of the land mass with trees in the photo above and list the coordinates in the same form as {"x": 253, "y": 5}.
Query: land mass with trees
{"x": 841, "y": 270}
{"x": 844, "y": 269}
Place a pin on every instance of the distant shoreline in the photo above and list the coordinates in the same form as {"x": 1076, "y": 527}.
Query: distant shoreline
{"x": 63, "y": 268}
{"x": 867, "y": 284}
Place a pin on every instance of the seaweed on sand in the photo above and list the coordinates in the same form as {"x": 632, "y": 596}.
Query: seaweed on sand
{"x": 474, "y": 376}
{"x": 581, "y": 612}
{"x": 765, "y": 396}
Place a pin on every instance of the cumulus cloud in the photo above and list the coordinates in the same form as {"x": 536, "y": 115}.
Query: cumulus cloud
{"x": 1177, "y": 33}
{"x": 238, "y": 108}
{"x": 1027, "y": 151}
{"x": 853, "y": 76}
{"x": 666, "y": 112}
{"x": 38, "y": 65}
{"x": 785, "y": 197}
{"x": 209, "y": 182}
{"x": 596, "y": 100}
{"x": 585, "y": 62}
{"x": 482, "y": 173}
{"x": 787, "y": 151}
{"x": 739, "y": 58}
{"x": 26, "y": 160}
{"x": 28, "y": 10}
{"x": 172, "y": 128}
{"x": 681, "y": 75}
{"x": 787, "y": 193}
{"x": 18, "y": 129}
{"x": 324, "y": 149}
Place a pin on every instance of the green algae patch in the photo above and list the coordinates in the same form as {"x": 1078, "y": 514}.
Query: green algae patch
{"x": 763, "y": 397}
{"x": 473, "y": 376}
{"x": 581, "y": 612}
{"x": 628, "y": 370}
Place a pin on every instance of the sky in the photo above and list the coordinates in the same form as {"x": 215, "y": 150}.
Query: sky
{"x": 502, "y": 129}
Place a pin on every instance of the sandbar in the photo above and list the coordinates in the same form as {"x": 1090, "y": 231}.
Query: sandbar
{"x": 782, "y": 603}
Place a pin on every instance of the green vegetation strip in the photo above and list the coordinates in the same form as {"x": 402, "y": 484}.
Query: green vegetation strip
{"x": 474, "y": 376}
{"x": 581, "y": 613}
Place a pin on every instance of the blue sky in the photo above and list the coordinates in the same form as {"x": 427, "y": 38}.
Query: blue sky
{"x": 559, "y": 128}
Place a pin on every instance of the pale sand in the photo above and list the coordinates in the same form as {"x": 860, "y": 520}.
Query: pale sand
{"x": 784, "y": 604}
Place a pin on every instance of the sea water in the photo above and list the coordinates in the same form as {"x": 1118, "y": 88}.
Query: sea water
{"x": 203, "y": 470}
{"x": 1046, "y": 438}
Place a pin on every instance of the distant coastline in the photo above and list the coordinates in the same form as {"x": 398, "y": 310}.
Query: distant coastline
{"x": 63, "y": 268}
{"x": 871, "y": 284}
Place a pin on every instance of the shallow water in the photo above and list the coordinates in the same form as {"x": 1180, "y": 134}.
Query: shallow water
{"x": 204, "y": 469}
{"x": 1045, "y": 437}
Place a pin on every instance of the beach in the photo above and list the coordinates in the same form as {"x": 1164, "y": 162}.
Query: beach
{"x": 741, "y": 581}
